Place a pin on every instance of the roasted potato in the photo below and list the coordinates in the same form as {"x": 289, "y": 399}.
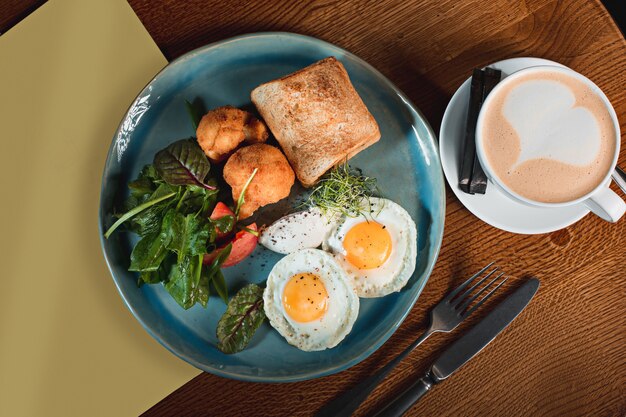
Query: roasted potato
{"x": 221, "y": 130}
{"x": 271, "y": 183}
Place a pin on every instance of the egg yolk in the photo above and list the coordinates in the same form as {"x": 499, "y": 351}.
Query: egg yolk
{"x": 305, "y": 298}
{"x": 367, "y": 245}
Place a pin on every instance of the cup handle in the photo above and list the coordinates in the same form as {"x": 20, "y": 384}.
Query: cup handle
{"x": 607, "y": 205}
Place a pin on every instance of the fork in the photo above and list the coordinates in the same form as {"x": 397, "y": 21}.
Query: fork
{"x": 444, "y": 317}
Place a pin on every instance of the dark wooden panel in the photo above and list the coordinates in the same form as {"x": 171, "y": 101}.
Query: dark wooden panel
{"x": 13, "y": 11}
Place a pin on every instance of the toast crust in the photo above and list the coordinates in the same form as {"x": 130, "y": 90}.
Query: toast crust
{"x": 317, "y": 117}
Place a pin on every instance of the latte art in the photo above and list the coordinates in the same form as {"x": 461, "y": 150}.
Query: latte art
{"x": 553, "y": 127}
{"x": 548, "y": 137}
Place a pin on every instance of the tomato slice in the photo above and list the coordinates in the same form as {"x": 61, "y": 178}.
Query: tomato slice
{"x": 244, "y": 243}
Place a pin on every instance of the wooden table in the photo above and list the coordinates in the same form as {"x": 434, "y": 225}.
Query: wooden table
{"x": 565, "y": 355}
{"x": 13, "y": 11}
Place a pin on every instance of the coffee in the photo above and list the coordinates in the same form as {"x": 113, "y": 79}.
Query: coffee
{"x": 548, "y": 136}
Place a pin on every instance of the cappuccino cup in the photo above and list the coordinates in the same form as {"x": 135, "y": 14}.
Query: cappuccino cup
{"x": 547, "y": 136}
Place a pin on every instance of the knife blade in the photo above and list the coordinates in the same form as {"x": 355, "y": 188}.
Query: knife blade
{"x": 465, "y": 348}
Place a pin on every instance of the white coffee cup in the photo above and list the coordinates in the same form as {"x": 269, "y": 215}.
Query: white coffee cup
{"x": 602, "y": 201}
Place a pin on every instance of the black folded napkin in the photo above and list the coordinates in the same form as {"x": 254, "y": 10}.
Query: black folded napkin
{"x": 472, "y": 178}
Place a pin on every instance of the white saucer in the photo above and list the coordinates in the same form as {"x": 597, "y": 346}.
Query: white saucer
{"x": 494, "y": 207}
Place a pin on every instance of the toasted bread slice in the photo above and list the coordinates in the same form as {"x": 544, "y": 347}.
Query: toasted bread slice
{"x": 317, "y": 117}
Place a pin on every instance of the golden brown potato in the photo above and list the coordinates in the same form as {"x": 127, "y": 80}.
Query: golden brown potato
{"x": 255, "y": 130}
{"x": 222, "y": 129}
{"x": 271, "y": 183}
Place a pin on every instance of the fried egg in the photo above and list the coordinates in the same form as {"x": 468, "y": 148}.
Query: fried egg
{"x": 310, "y": 301}
{"x": 378, "y": 250}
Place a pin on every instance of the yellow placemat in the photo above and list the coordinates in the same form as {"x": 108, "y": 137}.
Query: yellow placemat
{"x": 68, "y": 345}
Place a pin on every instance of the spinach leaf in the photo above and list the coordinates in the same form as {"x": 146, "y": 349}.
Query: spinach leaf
{"x": 149, "y": 172}
{"x": 241, "y": 320}
{"x": 161, "y": 274}
{"x": 147, "y": 254}
{"x": 141, "y": 188}
{"x": 197, "y": 200}
{"x": 136, "y": 210}
{"x": 189, "y": 234}
{"x": 203, "y": 292}
{"x": 149, "y": 277}
{"x": 147, "y": 181}
{"x": 183, "y": 163}
{"x": 150, "y": 251}
{"x": 183, "y": 281}
{"x": 225, "y": 224}
{"x": 149, "y": 220}
{"x": 209, "y": 201}
{"x": 211, "y": 246}
{"x": 194, "y": 114}
{"x": 220, "y": 258}
{"x": 219, "y": 283}
{"x": 168, "y": 207}
{"x": 215, "y": 274}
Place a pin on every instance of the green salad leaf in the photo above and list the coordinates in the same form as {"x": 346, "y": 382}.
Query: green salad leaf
{"x": 225, "y": 224}
{"x": 189, "y": 234}
{"x": 219, "y": 283}
{"x": 203, "y": 292}
{"x": 142, "y": 188}
{"x": 136, "y": 210}
{"x": 243, "y": 316}
{"x": 150, "y": 277}
{"x": 197, "y": 200}
{"x": 169, "y": 207}
{"x": 171, "y": 217}
{"x": 161, "y": 274}
{"x": 195, "y": 114}
{"x": 188, "y": 282}
{"x": 184, "y": 279}
{"x": 183, "y": 163}
{"x": 148, "y": 221}
{"x": 148, "y": 253}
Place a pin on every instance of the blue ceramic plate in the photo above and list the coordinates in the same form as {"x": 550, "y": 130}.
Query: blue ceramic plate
{"x": 405, "y": 162}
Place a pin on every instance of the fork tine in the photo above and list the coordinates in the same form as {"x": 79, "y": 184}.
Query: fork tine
{"x": 465, "y": 284}
{"x": 471, "y": 310}
{"x": 470, "y": 300}
{"x": 463, "y": 296}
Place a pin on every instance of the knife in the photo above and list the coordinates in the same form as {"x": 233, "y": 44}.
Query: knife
{"x": 465, "y": 348}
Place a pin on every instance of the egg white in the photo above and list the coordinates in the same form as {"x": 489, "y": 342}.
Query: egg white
{"x": 296, "y": 231}
{"x": 393, "y": 275}
{"x": 343, "y": 302}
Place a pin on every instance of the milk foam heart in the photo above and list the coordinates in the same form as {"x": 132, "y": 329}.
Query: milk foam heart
{"x": 548, "y": 136}
{"x": 549, "y": 125}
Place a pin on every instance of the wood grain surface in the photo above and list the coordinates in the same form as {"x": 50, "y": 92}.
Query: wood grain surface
{"x": 13, "y": 11}
{"x": 565, "y": 355}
